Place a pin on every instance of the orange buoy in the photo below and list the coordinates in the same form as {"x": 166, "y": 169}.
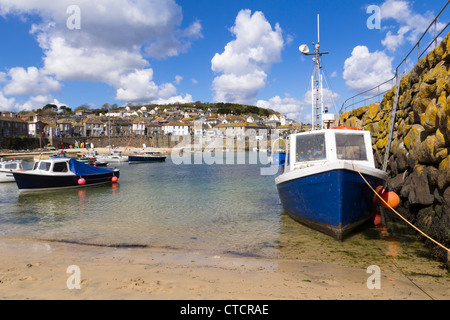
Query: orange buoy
{"x": 391, "y": 198}
{"x": 114, "y": 179}
{"x": 81, "y": 181}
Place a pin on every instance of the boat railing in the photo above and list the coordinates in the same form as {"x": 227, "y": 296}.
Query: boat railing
{"x": 422, "y": 47}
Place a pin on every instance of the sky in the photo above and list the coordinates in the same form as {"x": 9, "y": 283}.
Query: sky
{"x": 84, "y": 52}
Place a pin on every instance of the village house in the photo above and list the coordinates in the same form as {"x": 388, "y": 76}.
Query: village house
{"x": 93, "y": 128}
{"x": 13, "y": 127}
{"x": 176, "y": 129}
{"x": 77, "y": 129}
{"x": 65, "y": 127}
{"x": 241, "y": 131}
{"x": 35, "y": 124}
{"x": 278, "y": 118}
{"x": 154, "y": 129}
{"x": 51, "y": 130}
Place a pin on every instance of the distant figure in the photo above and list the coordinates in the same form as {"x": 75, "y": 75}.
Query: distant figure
{"x": 62, "y": 145}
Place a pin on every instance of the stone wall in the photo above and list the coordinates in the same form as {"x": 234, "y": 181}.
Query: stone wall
{"x": 419, "y": 158}
{"x": 21, "y": 143}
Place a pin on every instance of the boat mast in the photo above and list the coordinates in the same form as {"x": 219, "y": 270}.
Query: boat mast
{"x": 316, "y": 83}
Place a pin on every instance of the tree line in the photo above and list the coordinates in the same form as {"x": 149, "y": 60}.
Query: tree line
{"x": 221, "y": 107}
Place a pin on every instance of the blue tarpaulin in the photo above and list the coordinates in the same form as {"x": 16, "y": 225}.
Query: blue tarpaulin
{"x": 81, "y": 169}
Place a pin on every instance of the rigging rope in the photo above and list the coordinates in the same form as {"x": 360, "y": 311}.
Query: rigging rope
{"x": 389, "y": 206}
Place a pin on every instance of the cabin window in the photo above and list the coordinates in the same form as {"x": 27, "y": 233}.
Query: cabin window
{"x": 44, "y": 166}
{"x": 351, "y": 147}
{"x": 60, "y": 167}
{"x": 310, "y": 148}
{"x": 10, "y": 166}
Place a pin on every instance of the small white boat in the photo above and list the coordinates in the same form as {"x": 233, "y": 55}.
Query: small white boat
{"x": 7, "y": 168}
{"x": 113, "y": 157}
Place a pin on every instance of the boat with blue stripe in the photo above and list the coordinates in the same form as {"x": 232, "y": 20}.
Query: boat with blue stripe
{"x": 60, "y": 173}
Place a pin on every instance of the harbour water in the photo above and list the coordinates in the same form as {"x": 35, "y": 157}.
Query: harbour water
{"x": 217, "y": 208}
{"x": 213, "y": 209}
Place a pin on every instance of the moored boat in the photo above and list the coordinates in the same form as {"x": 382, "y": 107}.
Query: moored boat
{"x": 7, "y": 168}
{"x": 113, "y": 157}
{"x": 321, "y": 185}
{"x": 58, "y": 173}
{"x": 147, "y": 156}
{"x": 329, "y": 172}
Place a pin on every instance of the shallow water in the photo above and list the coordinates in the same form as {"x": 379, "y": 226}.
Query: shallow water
{"x": 214, "y": 209}
{"x": 189, "y": 206}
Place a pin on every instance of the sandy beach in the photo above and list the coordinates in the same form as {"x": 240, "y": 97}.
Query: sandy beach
{"x": 39, "y": 270}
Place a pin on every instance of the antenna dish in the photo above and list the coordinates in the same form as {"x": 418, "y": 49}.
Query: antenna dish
{"x": 304, "y": 49}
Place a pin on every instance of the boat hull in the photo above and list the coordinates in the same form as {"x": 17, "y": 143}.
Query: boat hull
{"x": 34, "y": 182}
{"x": 135, "y": 159}
{"x": 6, "y": 177}
{"x": 334, "y": 202}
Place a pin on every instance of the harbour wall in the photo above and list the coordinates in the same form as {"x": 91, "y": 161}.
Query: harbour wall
{"x": 419, "y": 157}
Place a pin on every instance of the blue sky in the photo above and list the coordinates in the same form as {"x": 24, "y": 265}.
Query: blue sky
{"x": 168, "y": 51}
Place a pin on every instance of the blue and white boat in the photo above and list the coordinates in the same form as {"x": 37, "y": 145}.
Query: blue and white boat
{"x": 60, "y": 173}
{"x": 322, "y": 183}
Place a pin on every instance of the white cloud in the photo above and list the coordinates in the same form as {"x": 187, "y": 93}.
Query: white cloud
{"x": 247, "y": 59}
{"x": 137, "y": 86}
{"x": 31, "y": 81}
{"x": 116, "y": 39}
{"x": 7, "y": 104}
{"x": 364, "y": 69}
{"x": 30, "y": 103}
{"x": 90, "y": 63}
{"x": 241, "y": 88}
{"x": 289, "y": 106}
{"x": 175, "y": 99}
{"x": 37, "y": 102}
{"x": 411, "y": 25}
{"x": 178, "y": 79}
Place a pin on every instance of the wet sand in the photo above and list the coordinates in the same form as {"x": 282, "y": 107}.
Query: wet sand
{"x": 38, "y": 270}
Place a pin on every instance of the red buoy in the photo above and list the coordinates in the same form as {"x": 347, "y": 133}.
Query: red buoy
{"x": 391, "y": 198}
{"x": 114, "y": 179}
{"x": 376, "y": 218}
{"x": 81, "y": 181}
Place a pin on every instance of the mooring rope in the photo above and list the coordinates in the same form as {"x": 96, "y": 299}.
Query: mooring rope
{"x": 390, "y": 207}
